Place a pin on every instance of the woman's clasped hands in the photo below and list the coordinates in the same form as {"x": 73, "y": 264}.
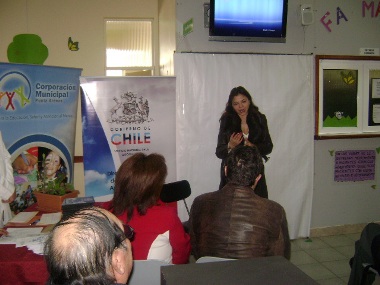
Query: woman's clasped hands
{"x": 235, "y": 140}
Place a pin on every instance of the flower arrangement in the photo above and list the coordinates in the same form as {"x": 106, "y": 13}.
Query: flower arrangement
{"x": 57, "y": 186}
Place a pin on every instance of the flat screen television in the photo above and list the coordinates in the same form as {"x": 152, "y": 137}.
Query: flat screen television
{"x": 248, "y": 20}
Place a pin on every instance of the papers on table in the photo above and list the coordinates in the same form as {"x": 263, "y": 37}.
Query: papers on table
{"x": 23, "y": 232}
{"x": 34, "y": 243}
{"x": 25, "y": 229}
{"x": 30, "y": 218}
{"x": 23, "y": 217}
{"x": 30, "y": 237}
{"x": 50, "y": 219}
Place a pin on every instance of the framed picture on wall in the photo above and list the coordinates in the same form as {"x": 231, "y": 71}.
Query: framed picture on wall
{"x": 372, "y": 76}
{"x": 347, "y": 96}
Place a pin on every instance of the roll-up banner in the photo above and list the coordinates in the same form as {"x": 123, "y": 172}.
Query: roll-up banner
{"x": 122, "y": 116}
{"x": 38, "y": 107}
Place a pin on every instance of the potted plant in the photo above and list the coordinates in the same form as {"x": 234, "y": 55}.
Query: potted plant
{"x": 50, "y": 193}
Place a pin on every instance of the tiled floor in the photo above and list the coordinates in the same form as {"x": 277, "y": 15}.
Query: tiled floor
{"x": 325, "y": 259}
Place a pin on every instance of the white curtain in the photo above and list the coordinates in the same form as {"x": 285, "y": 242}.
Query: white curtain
{"x": 282, "y": 88}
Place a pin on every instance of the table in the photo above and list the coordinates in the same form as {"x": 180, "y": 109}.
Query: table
{"x": 273, "y": 270}
{"x": 20, "y": 265}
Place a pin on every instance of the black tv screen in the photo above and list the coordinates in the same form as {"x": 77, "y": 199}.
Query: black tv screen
{"x": 248, "y": 20}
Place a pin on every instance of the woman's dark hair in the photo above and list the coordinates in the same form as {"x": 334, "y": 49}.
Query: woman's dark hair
{"x": 236, "y": 91}
{"x": 138, "y": 183}
{"x": 232, "y": 118}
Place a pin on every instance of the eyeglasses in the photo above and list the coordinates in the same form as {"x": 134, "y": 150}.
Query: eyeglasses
{"x": 129, "y": 232}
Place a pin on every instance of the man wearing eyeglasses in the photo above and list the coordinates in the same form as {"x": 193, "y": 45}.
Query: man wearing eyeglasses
{"x": 234, "y": 222}
{"x": 90, "y": 247}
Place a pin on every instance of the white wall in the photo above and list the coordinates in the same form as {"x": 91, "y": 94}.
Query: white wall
{"x": 54, "y": 21}
{"x": 345, "y": 38}
{"x": 198, "y": 40}
{"x": 167, "y": 40}
{"x": 333, "y": 203}
{"x": 341, "y": 203}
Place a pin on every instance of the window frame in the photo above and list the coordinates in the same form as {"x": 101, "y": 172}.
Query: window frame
{"x": 128, "y": 69}
{"x": 363, "y": 65}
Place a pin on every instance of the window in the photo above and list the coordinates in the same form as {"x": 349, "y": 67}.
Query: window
{"x": 347, "y": 96}
{"x": 129, "y": 49}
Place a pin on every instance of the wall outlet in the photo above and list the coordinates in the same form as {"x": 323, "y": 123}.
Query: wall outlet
{"x": 307, "y": 14}
{"x": 206, "y": 15}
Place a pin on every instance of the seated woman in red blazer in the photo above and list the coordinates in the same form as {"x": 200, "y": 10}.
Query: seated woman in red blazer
{"x": 159, "y": 233}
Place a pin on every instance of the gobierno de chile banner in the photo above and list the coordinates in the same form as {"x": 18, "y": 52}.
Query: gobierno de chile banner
{"x": 122, "y": 116}
{"x": 38, "y": 107}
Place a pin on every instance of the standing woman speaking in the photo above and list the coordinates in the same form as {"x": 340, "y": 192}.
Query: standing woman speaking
{"x": 242, "y": 124}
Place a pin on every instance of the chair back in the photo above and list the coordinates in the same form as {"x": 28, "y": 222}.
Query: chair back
{"x": 146, "y": 272}
{"x": 175, "y": 191}
{"x": 205, "y": 259}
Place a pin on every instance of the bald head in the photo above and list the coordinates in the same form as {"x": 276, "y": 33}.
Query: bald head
{"x": 84, "y": 247}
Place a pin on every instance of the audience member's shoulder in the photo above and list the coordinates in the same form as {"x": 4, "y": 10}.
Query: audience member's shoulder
{"x": 164, "y": 211}
{"x": 272, "y": 204}
{"x": 164, "y": 207}
{"x": 204, "y": 197}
